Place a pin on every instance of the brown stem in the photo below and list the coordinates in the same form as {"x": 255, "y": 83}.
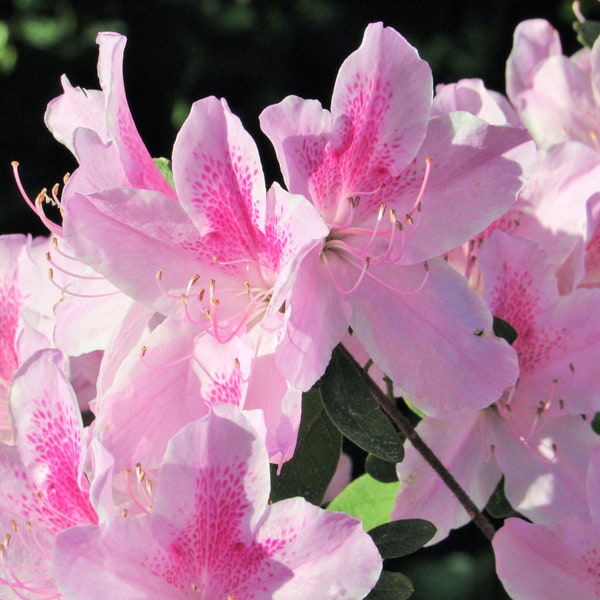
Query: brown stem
{"x": 391, "y": 410}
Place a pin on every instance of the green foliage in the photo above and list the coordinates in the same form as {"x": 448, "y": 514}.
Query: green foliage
{"x": 380, "y": 469}
{"x": 316, "y": 457}
{"x": 392, "y": 586}
{"x": 166, "y": 170}
{"x": 354, "y": 411}
{"x": 400, "y": 538}
{"x": 498, "y": 506}
{"x": 368, "y": 500}
{"x": 504, "y": 330}
{"x": 587, "y": 32}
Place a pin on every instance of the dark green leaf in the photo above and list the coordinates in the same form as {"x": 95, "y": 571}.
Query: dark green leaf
{"x": 504, "y": 330}
{"x": 587, "y": 32}
{"x": 355, "y": 413}
{"x": 400, "y": 538}
{"x": 596, "y": 423}
{"x": 391, "y": 586}
{"x": 498, "y": 506}
{"x": 318, "y": 450}
{"x": 166, "y": 170}
{"x": 382, "y": 470}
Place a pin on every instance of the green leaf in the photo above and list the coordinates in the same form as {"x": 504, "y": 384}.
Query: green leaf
{"x": 503, "y": 329}
{"x": 382, "y": 470}
{"x": 354, "y": 411}
{"x": 498, "y": 506}
{"x": 596, "y": 423}
{"x": 166, "y": 170}
{"x": 587, "y": 32}
{"x": 400, "y": 538}
{"x": 391, "y": 586}
{"x": 368, "y": 500}
{"x": 317, "y": 453}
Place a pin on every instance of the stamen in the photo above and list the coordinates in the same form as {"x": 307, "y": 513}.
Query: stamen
{"x": 37, "y": 205}
{"x": 167, "y": 365}
{"x": 158, "y": 277}
{"x": 70, "y": 273}
{"x": 337, "y": 286}
{"x": 417, "y": 204}
{"x": 65, "y": 289}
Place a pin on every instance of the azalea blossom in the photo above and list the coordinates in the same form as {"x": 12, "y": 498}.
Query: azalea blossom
{"x": 211, "y": 531}
{"x": 557, "y": 97}
{"x": 564, "y": 558}
{"x": 44, "y": 487}
{"x": 387, "y": 180}
{"x": 534, "y": 434}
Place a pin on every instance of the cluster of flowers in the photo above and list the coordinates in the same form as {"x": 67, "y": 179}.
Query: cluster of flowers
{"x": 188, "y": 307}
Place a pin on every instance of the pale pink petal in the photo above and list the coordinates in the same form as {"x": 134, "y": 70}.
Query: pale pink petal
{"x": 472, "y": 96}
{"x": 437, "y": 343}
{"x": 330, "y": 556}
{"x": 463, "y": 447}
{"x": 280, "y": 404}
{"x": 299, "y": 130}
{"x": 119, "y": 559}
{"x": 146, "y": 402}
{"x": 380, "y": 105}
{"x": 317, "y": 319}
{"x": 73, "y": 109}
{"x": 379, "y": 114}
{"x": 127, "y": 235}
{"x": 593, "y": 486}
{"x": 219, "y": 179}
{"x": 544, "y": 465}
{"x": 341, "y": 478}
{"x": 560, "y": 105}
{"x": 106, "y": 114}
{"x": 558, "y": 337}
{"x": 476, "y": 172}
{"x": 535, "y": 562}
{"x": 48, "y": 436}
{"x": 534, "y": 41}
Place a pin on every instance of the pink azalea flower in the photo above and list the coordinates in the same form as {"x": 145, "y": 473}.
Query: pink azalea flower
{"x": 387, "y": 181}
{"x": 557, "y": 97}
{"x": 537, "y": 562}
{"x": 472, "y": 96}
{"x": 44, "y": 488}
{"x": 557, "y": 209}
{"x": 534, "y": 433}
{"x": 144, "y": 400}
{"x": 98, "y": 128}
{"x": 211, "y": 531}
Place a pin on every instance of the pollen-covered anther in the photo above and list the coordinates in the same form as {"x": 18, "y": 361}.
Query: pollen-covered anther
{"x": 139, "y": 472}
{"x": 236, "y": 363}
{"x": 148, "y": 484}
{"x": 6, "y": 540}
{"x": 144, "y": 350}
{"x": 194, "y": 587}
{"x": 13, "y": 525}
{"x": 124, "y": 513}
{"x": 572, "y": 367}
{"x": 409, "y": 219}
{"x": 66, "y": 178}
{"x": 426, "y": 266}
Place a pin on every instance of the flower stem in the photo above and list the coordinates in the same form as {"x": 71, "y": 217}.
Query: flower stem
{"x": 403, "y": 424}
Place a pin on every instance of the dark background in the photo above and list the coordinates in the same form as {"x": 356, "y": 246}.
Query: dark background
{"x": 254, "y": 53}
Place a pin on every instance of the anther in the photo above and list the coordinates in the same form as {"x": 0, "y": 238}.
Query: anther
{"x": 572, "y": 367}
{"x": 124, "y": 513}
{"x": 139, "y": 472}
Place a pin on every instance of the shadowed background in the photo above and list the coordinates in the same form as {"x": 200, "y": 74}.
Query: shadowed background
{"x": 253, "y": 53}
